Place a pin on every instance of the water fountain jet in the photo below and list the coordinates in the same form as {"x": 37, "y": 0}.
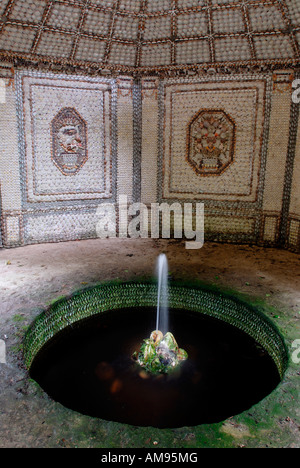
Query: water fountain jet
{"x": 162, "y": 315}
{"x": 161, "y": 353}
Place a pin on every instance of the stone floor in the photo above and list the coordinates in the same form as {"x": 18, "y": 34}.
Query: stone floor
{"x": 32, "y": 277}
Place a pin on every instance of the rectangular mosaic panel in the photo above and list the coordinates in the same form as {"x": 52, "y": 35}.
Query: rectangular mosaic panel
{"x": 229, "y": 225}
{"x": 67, "y": 144}
{"x": 68, "y": 153}
{"x": 271, "y": 226}
{"x": 294, "y": 233}
{"x": 213, "y": 135}
{"x": 60, "y": 225}
{"x": 12, "y": 230}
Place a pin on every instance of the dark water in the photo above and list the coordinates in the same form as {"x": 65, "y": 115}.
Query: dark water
{"x": 88, "y": 368}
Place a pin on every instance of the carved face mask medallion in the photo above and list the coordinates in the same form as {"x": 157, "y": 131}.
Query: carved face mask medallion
{"x": 69, "y": 141}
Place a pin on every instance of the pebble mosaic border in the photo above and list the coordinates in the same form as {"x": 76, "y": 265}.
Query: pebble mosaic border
{"x": 137, "y": 140}
{"x": 283, "y": 230}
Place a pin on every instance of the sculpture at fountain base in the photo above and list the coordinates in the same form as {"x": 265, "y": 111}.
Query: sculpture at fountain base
{"x": 160, "y": 353}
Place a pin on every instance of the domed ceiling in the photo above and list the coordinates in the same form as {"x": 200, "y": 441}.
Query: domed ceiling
{"x": 150, "y": 35}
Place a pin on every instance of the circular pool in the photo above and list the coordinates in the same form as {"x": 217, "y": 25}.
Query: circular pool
{"x": 80, "y": 352}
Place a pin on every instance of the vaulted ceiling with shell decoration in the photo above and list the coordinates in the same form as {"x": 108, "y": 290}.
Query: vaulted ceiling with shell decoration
{"x": 150, "y": 35}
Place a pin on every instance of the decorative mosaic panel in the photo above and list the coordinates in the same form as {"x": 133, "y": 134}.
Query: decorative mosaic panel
{"x": 211, "y": 141}
{"x": 125, "y": 137}
{"x": 69, "y": 141}
{"x": 225, "y": 120}
{"x": 12, "y": 226}
{"x": 67, "y": 144}
{"x": 68, "y": 156}
{"x": 149, "y": 152}
{"x": 9, "y": 154}
{"x": 229, "y": 151}
{"x": 60, "y": 225}
{"x": 229, "y": 225}
{"x": 293, "y": 240}
{"x": 271, "y": 225}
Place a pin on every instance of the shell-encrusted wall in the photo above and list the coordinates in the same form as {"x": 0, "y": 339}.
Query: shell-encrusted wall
{"x": 249, "y": 196}
{"x": 59, "y": 163}
{"x": 73, "y": 143}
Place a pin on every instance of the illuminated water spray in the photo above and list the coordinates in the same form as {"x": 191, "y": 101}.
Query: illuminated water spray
{"x": 162, "y": 316}
{"x": 160, "y": 353}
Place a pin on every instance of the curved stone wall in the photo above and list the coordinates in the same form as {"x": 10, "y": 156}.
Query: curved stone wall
{"x": 143, "y": 139}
